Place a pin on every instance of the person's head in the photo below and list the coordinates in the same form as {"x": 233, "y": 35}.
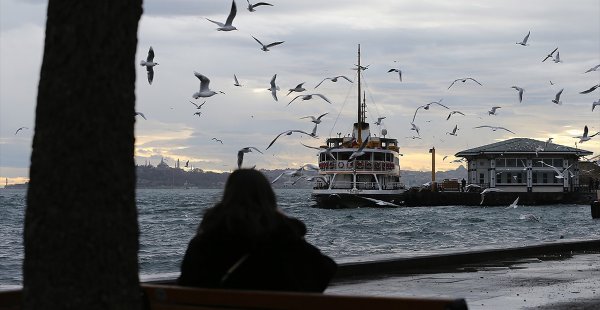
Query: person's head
{"x": 248, "y": 205}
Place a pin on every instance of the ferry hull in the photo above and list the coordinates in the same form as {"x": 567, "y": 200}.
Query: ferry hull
{"x": 347, "y": 200}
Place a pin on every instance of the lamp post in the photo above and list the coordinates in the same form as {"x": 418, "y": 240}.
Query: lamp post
{"x": 433, "y": 184}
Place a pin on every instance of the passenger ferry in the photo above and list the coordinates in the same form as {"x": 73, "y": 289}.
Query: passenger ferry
{"x": 360, "y": 169}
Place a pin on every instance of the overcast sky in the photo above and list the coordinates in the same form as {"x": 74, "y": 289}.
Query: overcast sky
{"x": 432, "y": 42}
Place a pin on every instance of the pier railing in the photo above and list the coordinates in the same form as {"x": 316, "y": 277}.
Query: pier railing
{"x": 359, "y": 165}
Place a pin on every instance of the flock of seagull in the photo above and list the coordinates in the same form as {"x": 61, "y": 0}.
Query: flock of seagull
{"x": 205, "y": 91}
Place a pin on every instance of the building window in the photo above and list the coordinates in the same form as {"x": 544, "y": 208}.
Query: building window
{"x": 544, "y": 177}
{"x": 511, "y": 162}
{"x": 557, "y": 162}
{"x": 501, "y": 162}
{"x": 481, "y": 178}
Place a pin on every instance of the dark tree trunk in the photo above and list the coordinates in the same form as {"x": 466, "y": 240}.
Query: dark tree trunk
{"x": 81, "y": 231}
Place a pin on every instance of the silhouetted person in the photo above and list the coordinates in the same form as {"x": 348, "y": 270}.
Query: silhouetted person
{"x": 463, "y": 184}
{"x": 246, "y": 242}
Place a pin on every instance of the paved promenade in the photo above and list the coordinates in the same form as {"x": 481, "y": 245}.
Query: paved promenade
{"x": 558, "y": 281}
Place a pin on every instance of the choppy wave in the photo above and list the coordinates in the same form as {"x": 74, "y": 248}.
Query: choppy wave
{"x": 168, "y": 219}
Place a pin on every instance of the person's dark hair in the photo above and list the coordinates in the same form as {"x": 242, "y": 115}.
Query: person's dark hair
{"x": 248, "y": 206}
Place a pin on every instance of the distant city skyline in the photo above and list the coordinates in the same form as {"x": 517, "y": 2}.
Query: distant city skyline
{"x": 433, "y": 43}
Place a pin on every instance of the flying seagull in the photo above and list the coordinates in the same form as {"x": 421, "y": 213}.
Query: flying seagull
{"x": 290, "y": 132}
{"x": 140, "y": 114}
{"x": 585, "y": 136}
{"x": 237, "y": 83}
{"x": 594, "y": 104}
{"x": 488, "y": 190}
{"x": 241, "y": 154}
{"x": 524, "y": 42}
{"x": 551, "y": 55}
{"x": 198, "y": 113}
{"x": 379, "y": 119}
{"x": 514, "y": 204}
{"x": 19, "y": 129}
{"x": 546, "y": 143}
{"x": 593, "y": 88}
{"x": 316, "y": 120}
{"x": 557, "y": 97}
{"x": 426, "y": 107}
{"x": 266, "y": 47}
{"x": 327, "y": 150}
{"x": 274, "y": 88}
{"x": 252, "y": 6}
{"x": 298, "y": 88}
{"x": 464, "y": 80}
{"x": 204, "y": 90}
{"x": 309, "y": 96}
{"x": 149, "y": 64}
{"x": 454, "y": 112}
{"x": 453, "y": 133}
{"x": 227, "y": 26}
{"x": 198, "y": 106}
{"x": 399, "y": 72}
{"x": 494, "y": 128}
{"x": 217, "y": 140}
{"x": 595, "y": 68}
{"x": 360, "y": 150}
{"x": 334, "y": 79}
{"x": 415, "y": 128}
{"x": 380, "y": 202}
{"x": 558, "y": 172}
{"x": 520, "y": 90}
{"x": 293, "y": 173}
{"x": 493, "y": 110}
{"x": 187, "y": 163}
{"x": 557, "y": 58}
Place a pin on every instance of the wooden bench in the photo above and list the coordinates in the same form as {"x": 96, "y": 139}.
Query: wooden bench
{"x": 172, "y": 297}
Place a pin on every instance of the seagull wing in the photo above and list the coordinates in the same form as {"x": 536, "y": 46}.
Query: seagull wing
{"x": 150, "y": 57}
{"x": 294, "y": 99}
{"x": 255, "y": 149}
{"x": 279, "y": 135}
{"x": 141, "y": 114}
{"x": 343, "y": 76}
{"x": 557, "y": 97}
{"x": 232, "y": 14}
{"x": 274, "y": 43}
{"x": 322, "y": 81}
{"x": 526, "y": 38}
{"x": 441, "y": 105}
{"x": 323, "y": 97}
{"x": 204, "y": 81}
{"x": 277, "y": 178}
{"x": 197, "y": 107}
{"x": 590, "y": 90}
{"x": 258, "y": 41}
{"x": 474, "y": 80}
{"x": 318, "y": 118}
{"x": 236, "y": 80}
{"x": 311, "y": 147}
{"x": 240, "y": 158}
{"x": 150, "y": 74}
{"x": 453, "y": 83}
{"x": 505, "y": 129}
{"x": 550, "y": 55}
{"x": 220, "y": 24}
{"x": 260, "y": 3}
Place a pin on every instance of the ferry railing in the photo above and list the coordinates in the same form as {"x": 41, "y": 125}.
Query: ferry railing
{"x": 361, "y": 165}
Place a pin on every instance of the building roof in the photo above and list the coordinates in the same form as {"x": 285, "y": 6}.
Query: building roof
{"x": 523, "y": 145}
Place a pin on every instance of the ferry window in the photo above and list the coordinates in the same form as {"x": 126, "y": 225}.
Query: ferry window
{"x": 342, "y": 155}
{"x": 379, "y": 156}
{"x": 544, "y": 178}
{"x": 500, "y": 162}
{"x": 322, "y": 157}
{"x": 548, "y": 161}
{"x": 520, "y": 177}
{"x": 534, "y": 177}
{"x": 557, "y": 162}
{"x": 366, "y": 156}
{"x": 537, "y": 163}
{"x": 511, "y": 162}
{"x": 481, "y": 178}
{"x": 509, "y": 177}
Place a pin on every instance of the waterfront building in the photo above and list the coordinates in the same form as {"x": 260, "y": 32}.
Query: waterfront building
{"x": 524, "y": 165}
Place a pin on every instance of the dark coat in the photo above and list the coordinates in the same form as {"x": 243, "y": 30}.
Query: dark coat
{"x": 281, "y": 260}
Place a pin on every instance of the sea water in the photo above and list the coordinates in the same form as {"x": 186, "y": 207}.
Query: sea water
{"x": 168, "y": 219}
